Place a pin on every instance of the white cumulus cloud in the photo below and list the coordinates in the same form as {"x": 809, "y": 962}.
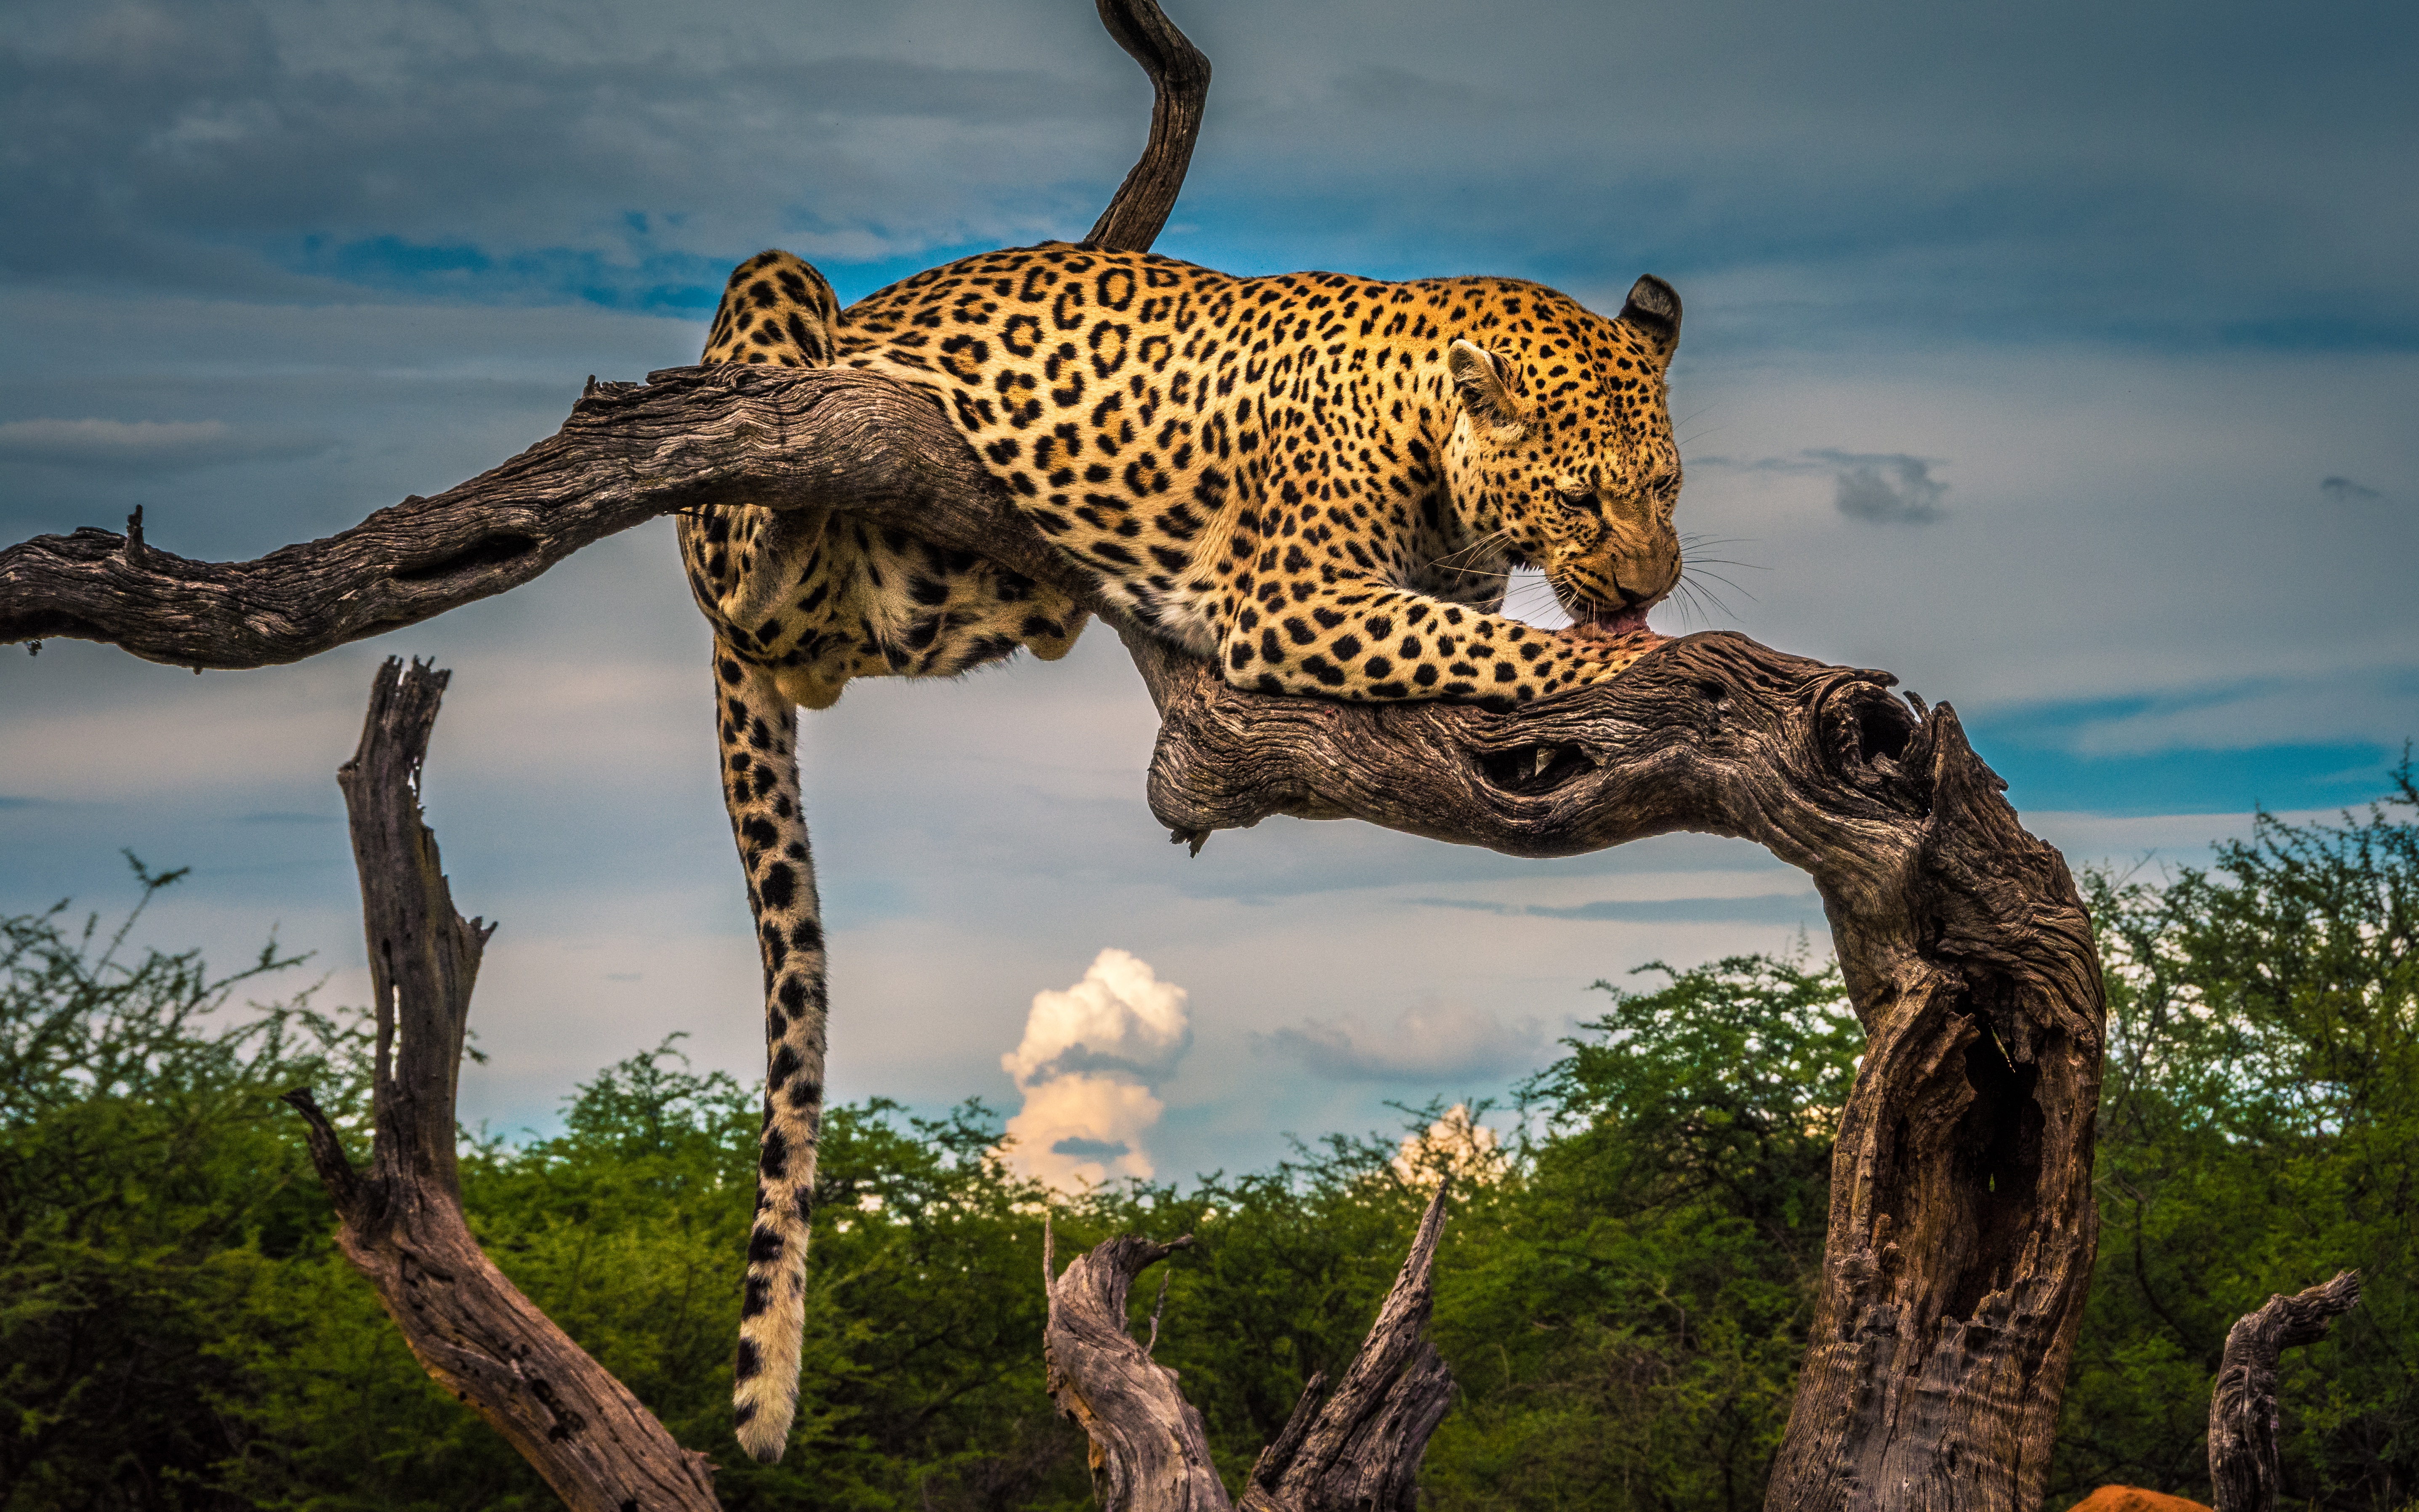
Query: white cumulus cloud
{"x": 1086, "y": 1065}
{"x": 1456, "y": 1146}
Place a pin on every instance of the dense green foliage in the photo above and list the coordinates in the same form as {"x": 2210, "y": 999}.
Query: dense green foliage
{"x": 1624, "y": 1292}
{"x": 2259, "y": 1131}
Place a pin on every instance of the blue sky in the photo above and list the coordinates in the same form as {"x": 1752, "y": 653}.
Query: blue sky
{"x": 2063, "y": 359}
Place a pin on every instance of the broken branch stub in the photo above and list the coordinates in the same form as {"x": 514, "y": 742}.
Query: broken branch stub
{"x": 1150, "y": 1452}
{"x": 1355, "y": 1448}
{"x": 2242, "y": 1460}
{"x": 402, "y": 1223}
{"x": 1179, "y": 89}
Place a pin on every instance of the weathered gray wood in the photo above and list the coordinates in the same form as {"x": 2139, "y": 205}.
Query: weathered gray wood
{"x": 597, "y": 1446}
{"x": 628, "y": 453}
{"x": 2243, "y": 1409}
{"x": 1358, "y": 1448}
{"x": 1355, "y": 1448}
{"x": 1149, "y": 1450}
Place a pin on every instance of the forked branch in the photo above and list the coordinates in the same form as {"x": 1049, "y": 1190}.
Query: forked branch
{"x": 1356, "y": 1448}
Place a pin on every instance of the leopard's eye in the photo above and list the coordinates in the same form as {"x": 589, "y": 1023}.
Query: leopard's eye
{"x": 1581, "y": 499}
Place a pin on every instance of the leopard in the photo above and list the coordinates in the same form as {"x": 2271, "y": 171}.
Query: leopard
{"x": 1319, "y": 481}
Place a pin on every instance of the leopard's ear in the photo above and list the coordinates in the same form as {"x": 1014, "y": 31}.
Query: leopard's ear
{"x": 1483, "y": 382}
{"x": 1652, "y": 311}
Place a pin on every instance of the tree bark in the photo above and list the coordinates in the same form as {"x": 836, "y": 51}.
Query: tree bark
{"x": 1962, "y": 1226}
{"x": 2242, "y": 1464}
{"x": 629, "y": 451}
{"x": 1356, "y": 1448}
{"x": 1149, "y": 1450}
{"x": 597, "y": 1446}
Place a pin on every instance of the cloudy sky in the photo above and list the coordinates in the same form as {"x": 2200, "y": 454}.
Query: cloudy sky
{"x": 2063, "y": 359}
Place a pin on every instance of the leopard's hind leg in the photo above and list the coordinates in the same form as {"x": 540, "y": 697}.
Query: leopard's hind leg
{"x": 802, "y": 601}
{"x": 749, "y": 566}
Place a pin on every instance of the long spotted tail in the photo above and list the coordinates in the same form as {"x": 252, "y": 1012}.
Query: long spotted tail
{"x": 759, "y": 786}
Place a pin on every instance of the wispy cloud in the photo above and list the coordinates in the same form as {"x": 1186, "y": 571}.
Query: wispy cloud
{"x": 1761, "y": 908}
{"x": 1885, "y": 488}
{"x": 1430, "y": 1041}
{"x": 2343, "y": 491}
{"x": 2365, "y": 706}
{"x": 1896, "y": 490}
{"x": 143, "y": 444}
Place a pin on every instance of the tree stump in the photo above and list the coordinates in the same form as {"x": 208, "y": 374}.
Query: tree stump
{"x": 1354, "y": 1446}
{"x": 2243, "y": 1465}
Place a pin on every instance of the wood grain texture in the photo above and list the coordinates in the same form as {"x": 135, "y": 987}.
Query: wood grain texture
{"x": 2242, "y": 1463}
{"x": 1356, "y": 1446}
{"x": 1963, "y": 1230}
{"x": 788, "y": 438}
{"x": 1359, "y": 1446}
{"x": 1180, "y": 91}
{"x": 1149, "y": 1450}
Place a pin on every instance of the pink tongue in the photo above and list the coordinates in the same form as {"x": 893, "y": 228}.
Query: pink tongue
{"x": 1620, "y": 623}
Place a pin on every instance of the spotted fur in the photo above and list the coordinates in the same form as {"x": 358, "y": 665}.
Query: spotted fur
{"x": 1320, "y": 480}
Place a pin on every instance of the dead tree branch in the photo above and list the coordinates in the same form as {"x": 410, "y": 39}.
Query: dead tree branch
{"x": 1962, "y": 1228}
{"x": 1360, "y": 1447}
{"x": 2242, "y": 1464}
{"x": 1356, "y": 1447}
{"x": 1179, "y": 86}
{"x": 694, "y": 436}
{"x": 1149, "y": 1450}
{"x": 598, "y": 1447}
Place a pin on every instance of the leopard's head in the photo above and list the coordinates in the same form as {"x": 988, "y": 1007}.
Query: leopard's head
{"x": 1563, "y": 446}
